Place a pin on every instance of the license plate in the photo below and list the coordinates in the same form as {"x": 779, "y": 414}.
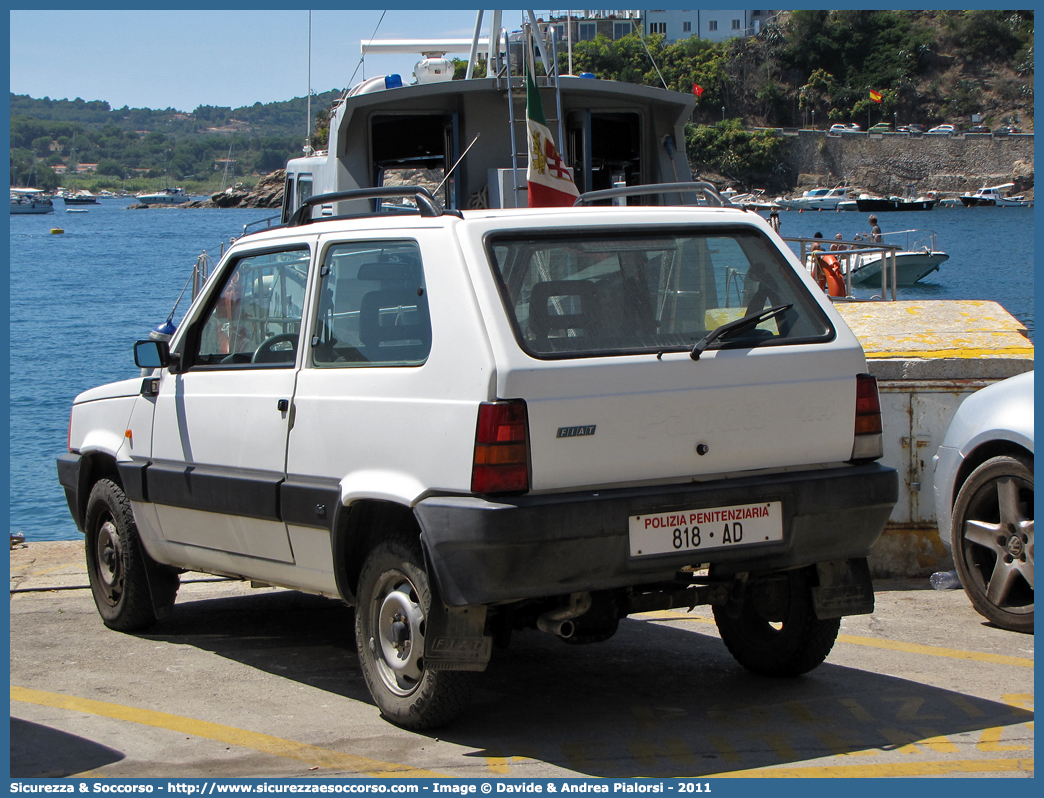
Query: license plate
{"x": 706, "y": 528}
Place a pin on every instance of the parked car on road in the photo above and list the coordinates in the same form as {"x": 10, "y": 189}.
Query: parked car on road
{"x": 978, "y": 129}
{"x": 916, "y": 129}
{"x": 943, "y": 130}
{"x": 1005, "y": 130}
{"x": 842, "y": 128}
{"x": 466, "y": 423}
{"x": 881, "y": 127}
{"x": 984, "y": 500}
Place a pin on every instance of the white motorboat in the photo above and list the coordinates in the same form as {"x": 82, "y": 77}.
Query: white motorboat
{"x": 817, "y": 199}
{"x": 994, "y": 196}
{"x": 165, "y": 196}
{"x": 920, "y": 258}
{"x": 30, "y": 201}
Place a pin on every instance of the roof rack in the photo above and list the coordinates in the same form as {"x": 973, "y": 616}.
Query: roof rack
{"x": 426, "y": 203}
{"x": 709, "y": 191}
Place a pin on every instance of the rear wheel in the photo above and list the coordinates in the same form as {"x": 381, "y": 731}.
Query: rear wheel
{"x": 992, "y": 541}
{"x": 394, "y": 600}
{"x": 776, "y": 631}
{"x": 118, "y": 568}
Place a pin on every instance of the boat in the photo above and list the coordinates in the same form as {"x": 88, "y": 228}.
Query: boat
{"x": 868, "y": 203}
{"x": 30, "y": 201}
{"x": 816, "y": 199}
{"x": 76, "y": 210}
{"x": 82, "y": 197}
{"x": 460, "y": 135}
{"x": 994, "y": 196}
{"x": 754, "y": 201}
{"x": 165, "y": 196}
{"x": 920, "y": 258}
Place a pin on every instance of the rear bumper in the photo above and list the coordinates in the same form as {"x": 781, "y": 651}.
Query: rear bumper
{"x": 484, "y": 551}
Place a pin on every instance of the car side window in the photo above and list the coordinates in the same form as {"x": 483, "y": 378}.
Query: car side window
{"x": 256, "y": 317}
{"x": 373, "y": 306}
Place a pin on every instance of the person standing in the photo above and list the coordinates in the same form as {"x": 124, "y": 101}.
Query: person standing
{"x": 875, "y": 231}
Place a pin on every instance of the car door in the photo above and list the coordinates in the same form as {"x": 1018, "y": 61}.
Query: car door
{"x": 221, "y": 422}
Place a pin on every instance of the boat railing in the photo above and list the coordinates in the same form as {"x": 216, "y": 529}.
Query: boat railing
{"x": 267, "y": 222}
{"x": 847, "y": 256}
{"x": 915, "y": 239}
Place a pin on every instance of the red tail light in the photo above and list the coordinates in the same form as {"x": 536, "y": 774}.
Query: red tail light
{"x": 501, "y": 448}
{"x": 869, "y": 441}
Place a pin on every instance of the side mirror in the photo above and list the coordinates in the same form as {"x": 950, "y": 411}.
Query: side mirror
{"x": 151, "y": 354}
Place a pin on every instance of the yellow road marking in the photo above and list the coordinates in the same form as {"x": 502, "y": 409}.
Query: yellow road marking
{"x": 935, "y": 651}
{"x": 1023, "y": 351}
{"x": 668, "y": 615}
{"x": 873, "y": 642}
{"x": 990, "y": 742}
{"x": 265, "y": 743}
{"x": 883, "y": 770}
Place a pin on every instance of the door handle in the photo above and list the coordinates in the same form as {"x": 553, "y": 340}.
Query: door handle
{"x": 283, "y": 405}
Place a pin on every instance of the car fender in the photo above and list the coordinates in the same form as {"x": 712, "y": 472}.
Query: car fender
{"x": 382, "y": 485}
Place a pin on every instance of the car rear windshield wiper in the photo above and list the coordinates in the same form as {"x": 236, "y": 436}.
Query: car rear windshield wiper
{"x": 751, "y": 320}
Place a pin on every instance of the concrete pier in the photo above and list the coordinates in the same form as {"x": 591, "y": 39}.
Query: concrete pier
{"x": 928, "y": 357}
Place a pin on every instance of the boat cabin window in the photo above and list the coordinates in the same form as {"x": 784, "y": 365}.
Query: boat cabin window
{"x": 412, "y": 148}
{"x": 297, "y": 189}
{"x": 605, "y": 149}
{"x": 288, "y": 199}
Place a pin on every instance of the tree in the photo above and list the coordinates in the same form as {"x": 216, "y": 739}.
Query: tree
{"x": 110, "y": 167}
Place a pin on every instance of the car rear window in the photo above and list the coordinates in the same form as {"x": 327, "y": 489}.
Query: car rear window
{"x": 590, "y": 294}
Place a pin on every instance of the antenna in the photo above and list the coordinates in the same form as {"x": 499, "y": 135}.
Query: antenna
{"x": 308, "y": 122}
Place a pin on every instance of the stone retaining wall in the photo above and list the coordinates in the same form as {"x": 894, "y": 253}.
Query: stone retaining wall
{"x": 888, "y": 164}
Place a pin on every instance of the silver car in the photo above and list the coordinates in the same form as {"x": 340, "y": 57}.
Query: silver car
{"x": 984, "y": 500}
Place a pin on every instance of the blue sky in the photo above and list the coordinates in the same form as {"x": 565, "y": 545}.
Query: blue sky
{"x": 183, "y": 59}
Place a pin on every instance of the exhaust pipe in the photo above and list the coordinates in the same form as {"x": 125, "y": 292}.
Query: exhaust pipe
{"x": 560, "y": 621}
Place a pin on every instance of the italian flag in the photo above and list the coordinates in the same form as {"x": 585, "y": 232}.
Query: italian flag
{"x": 550, "y": 180}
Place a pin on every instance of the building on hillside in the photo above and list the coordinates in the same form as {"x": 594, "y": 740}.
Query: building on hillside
{"x": 716, "y": 26}
{"x": 586, "y": 25}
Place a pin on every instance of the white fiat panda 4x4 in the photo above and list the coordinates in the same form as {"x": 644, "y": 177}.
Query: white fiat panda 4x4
{"x": 469, "y": 423}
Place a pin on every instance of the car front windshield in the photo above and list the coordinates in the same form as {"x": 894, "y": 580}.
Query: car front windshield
{"x": 589, "y": 293}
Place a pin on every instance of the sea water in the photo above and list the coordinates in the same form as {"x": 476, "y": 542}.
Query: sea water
{"x": 80, "y": 299}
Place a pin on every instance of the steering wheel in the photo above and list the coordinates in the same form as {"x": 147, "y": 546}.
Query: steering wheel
{"x": 268, "y": 353}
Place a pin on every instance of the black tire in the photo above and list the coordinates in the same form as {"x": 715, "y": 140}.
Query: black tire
{"x": 778, "y": 635}
{"x": 992, "y": 541}
{"x": 118, "y": 567}
{"x": 394, "y": 600}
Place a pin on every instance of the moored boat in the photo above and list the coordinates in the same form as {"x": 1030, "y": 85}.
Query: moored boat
{"x": 817, "y": 199}
{"x": 165, "y": 196}
{"x": 30, "y": 201}
{"x": 989, "y": 196}
{"x": 920, "y": 258}
{"x": 384, "y": 133}
{"x": 866, "y": 203}
{"x": 82, "y": 197}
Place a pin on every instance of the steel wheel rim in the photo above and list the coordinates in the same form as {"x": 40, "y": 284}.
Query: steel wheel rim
{"x": 997, "y": 538}
{"x": 108, "y": 557}
{"x": 397, "y": 623}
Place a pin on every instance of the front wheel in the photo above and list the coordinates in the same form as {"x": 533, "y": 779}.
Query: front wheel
{"x": 118, "y": 567}
{"x": 776, "y": 631}
{"x": 992, "y": 541}
{"x": 394, "y": 600}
